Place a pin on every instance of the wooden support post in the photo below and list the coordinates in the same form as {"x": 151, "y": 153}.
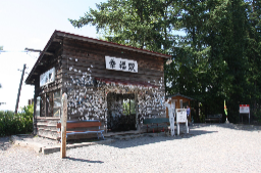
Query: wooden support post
{"x": 171, "y": 117}
{"x": 137, "y": 110}
{"x": 249, "y": 117}
{"x": 178, "y": 128}
{"x": 63, "y": 125}
{"x": 187, "y": 127}
{"x": 106, "y": 112}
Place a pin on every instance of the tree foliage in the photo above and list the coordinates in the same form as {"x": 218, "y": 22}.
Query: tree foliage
{"x": 1, "y": 48}
{"x": 21, "y": 123}
{"x": 141, "y": 23}
{"x": 218, "y": 58}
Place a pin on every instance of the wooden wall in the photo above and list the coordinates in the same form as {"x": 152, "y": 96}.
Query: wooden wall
{"x": 150, "y": 68}
{"x": 84, "y": 60}
{"x": 78, "y": 63}
{"x": 46, "y": 125}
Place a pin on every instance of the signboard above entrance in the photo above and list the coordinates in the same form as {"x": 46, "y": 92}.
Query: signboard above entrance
{"x": 47, "y": 77}
{"x": 119, "y": 64}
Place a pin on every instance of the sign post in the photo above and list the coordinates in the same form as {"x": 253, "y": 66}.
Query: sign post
{"x": 181, "y": 118}
{"x": 244, "y": 109}
{"x": 63, "y": 125}
{"x": 171, "y": 118}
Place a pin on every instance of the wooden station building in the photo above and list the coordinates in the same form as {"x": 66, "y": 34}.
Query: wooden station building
{"x": 115, "y": 84}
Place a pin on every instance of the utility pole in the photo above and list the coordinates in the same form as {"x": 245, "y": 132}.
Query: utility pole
{"x": 19, "y": 90}
{"x": 1, "y": 103}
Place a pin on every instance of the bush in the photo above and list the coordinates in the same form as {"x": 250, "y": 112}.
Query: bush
{"x": 21, "y": 123}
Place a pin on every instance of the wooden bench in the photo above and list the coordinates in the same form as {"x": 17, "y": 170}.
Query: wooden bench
{"x": 215, "y": 117}
{"x": 156, "y": 121}
{"x": 76, "y": 126}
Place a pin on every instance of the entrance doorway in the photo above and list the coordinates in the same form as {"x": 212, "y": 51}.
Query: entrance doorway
{"x": 121, "y": 112}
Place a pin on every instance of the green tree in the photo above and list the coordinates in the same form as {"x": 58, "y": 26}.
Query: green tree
{"x": 21, "y": 123}
{"x": 217, "y": 59}
{"x": 196, "y": 62}
{"x": 253, "y": 54}
{"x": 141, "y": 23}
{"x": 1, "y": 102}
{"x": 210, "y": 63}
{"x": 1, "y": 48}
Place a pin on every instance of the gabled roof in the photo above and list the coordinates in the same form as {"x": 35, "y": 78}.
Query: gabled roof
{"x": 57, "y": 37}
{"x": 178, "y": 94}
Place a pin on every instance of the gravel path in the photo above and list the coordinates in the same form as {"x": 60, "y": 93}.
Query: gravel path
{"x": 208, "y": 148}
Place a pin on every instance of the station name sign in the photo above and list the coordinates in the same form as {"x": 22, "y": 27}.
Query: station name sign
{"x": 119, "y": 64}
{"x": 47, "y": 77}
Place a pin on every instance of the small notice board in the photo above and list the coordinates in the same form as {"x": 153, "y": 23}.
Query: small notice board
{"x": 181, "y": 115}
{"x": 182, "y": 118}
{"x": 244, "y": 109}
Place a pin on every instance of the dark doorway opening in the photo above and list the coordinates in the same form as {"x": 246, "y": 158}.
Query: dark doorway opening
{"x": 121, "y": 112}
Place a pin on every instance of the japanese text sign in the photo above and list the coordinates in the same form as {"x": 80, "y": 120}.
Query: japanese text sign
{"x": 47, "y": 77}
{"x": 119, "y": 64}
{"x": 244, "y": 109}
{"x": 181, "y": 115}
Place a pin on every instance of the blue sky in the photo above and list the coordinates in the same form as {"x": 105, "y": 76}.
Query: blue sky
{"x": 30, "y": 24}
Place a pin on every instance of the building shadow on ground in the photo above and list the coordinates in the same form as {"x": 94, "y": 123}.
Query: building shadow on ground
{"x": 83, "y": 160}
{"x": 153, "y": 138}
{"x": 195, "y": 130}
{"x": 150, "y": 138}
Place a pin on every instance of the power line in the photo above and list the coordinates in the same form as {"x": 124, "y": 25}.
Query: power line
{"x": 7, "y": 51}
{"x": 26, "y": 50}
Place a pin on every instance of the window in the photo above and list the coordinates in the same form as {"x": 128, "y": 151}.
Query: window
{"x": 42, "y": 106}
{"x": 37, "y": 106}
{"x": 50, "y": 104}
{"x": 57, "y": 104}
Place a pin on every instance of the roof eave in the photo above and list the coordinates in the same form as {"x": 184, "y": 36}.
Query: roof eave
{"x": 27, "y": 81}
{"x": 180, "y": 96}
{"x": 110, "y": 44}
